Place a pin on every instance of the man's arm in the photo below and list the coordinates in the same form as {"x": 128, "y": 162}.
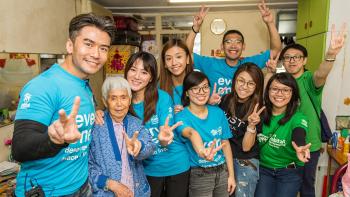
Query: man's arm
{"x": 267, "y": 16}
{"x": 336, "y": 44}
{"x": 197, "y": 23}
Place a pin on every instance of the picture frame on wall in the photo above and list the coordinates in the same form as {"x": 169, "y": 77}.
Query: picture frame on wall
{"x": 342, "y": 122}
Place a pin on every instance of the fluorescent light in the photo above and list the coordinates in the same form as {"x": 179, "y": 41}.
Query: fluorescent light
{"x": 195, "y": 1}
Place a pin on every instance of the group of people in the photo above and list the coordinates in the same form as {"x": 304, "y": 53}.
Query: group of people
{"x": 184, "y": 133}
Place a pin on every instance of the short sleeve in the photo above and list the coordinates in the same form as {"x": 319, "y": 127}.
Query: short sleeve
{"x": 226, "y": 132}
{"x": 199, "y": 61}
{"x": 300, "y": 121}
{"x": 38, "y": 101}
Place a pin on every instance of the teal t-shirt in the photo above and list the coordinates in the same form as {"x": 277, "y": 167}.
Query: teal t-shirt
{"x": 278, "y": 151}
{"x": 177, "y": 94}
{"x": 219, "y": 72}
{"x": 40, "y": 100}
{"x": 214, "y": 126}
{"x": 172, "y": 159}
{"x": 307, "y": 87}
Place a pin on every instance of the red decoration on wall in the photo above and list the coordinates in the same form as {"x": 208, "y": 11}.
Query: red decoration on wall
{"x": 2, "y": 63}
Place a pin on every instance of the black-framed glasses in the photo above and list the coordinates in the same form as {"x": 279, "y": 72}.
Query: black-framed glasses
{"x": 250, "y": 84}
{"x": 296, "y": 58}
{"x": 284, "y": 91}
{"x": 197, "y": 90}
{"x": 233, "y": 41}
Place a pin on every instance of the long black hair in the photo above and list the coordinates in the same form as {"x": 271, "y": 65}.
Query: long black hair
{"x": 192, "y": 79}
{"x": 288, "y": 80}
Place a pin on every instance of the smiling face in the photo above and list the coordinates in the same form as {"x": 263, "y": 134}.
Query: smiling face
{"x": 294, "y": 61}
{"x": 233, "y": 46}
{"x": 176, "y": 60}
{"x": 199, "y": 95}
{"x": 244, "y": 86}
{"x": 89, "y": 51}
{"x": 138, "y": 77}
{"x": 279, "y": 95}
{"x": 118, "y": 103}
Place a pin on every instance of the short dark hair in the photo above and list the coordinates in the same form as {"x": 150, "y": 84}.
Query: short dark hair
{"x": 294, "y": 46}
{"x": 232, "y": 31}
{"x": 192, "y": 79}
{"x": 105, "y": 24}
{"x": 288, "y": 80}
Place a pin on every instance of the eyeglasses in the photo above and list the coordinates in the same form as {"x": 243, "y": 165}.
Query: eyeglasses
{"x": 233, "y": 41}
{"x": 284, "y": 91}
{"x": 250, "y": 84}
{"x": 197, "y": 90}
{"x": 294, "y": 58}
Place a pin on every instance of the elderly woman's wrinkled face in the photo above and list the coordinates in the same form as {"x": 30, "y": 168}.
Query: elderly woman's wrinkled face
{"x": 118, "y": 103}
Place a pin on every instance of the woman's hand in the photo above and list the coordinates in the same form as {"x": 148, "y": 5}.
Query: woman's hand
{"x": 178, "y": 108}
{"x": 166, "y": 134}
{"x": 303, "y": 152}
{"x": 99, "y": 117}
{"x": 119, "y": 189}
{"x": 209, "y": 153}
{"x": 215, "y": 97}
{"x": 254, "y": 117}
{"x": 133, "y": 145}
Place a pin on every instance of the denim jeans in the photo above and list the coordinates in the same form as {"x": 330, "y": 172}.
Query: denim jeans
{"x": 209, "y": 182}
{"x": 308, "y": 186}
{"x": 246, "y": 178}
{"x": 284, "y": 182}
{"x": 84, "y": 191}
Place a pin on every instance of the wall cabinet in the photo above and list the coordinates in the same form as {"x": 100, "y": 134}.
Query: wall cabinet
{"x": 316, "y": 46}
{"x": 312, "y": 17}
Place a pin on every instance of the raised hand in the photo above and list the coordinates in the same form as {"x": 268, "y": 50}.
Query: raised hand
{"x": 209, "y": 153}
{"x": 178, "y": 108}
{"x": 271, "y": 64}
{"x": 303, "y": 152}
{"x": 337, "y": 41}
{"x": 99, "y": 117}
{"x": 133, "y": 145}
{"x": 166, "y": 134}
{"x": 254, "y": 117}
{"x": 215, "y": 97}
{"x": 265, "y": 12}
{"x": 65, "y": 129}
{"x": 199, "y": 17}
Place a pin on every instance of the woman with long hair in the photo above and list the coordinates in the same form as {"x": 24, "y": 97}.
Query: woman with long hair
{"x": 242, "y": 108}
{"x": 282, "y": 142}
{"x": 205, "y": 131}
{"x": 167, "y": 169}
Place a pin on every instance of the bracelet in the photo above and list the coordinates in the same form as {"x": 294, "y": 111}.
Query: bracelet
{"x": 329, "y": 59}
{"x": 196, "y": 32}
{"x": 253, "y": 131}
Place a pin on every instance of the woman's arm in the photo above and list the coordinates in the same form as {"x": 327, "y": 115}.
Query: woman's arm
{"x": 229, "y": 162}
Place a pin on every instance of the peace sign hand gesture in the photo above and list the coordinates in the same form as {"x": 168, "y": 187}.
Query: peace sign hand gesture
{"x": 265, "y": 12}
{"x": 166, "y": 134}
{"x": 133, "y": 145}
{"x": 215, "y": 97}
{"x": 271, "y": 64}
{"x": 254, "y": 117}
{"x": 209, "y": 153}
{"x": 337, "y": 41}
{"x": 65, "y": 129}
{"x": 303, "y": 152}
{"x": 199, "y": 17}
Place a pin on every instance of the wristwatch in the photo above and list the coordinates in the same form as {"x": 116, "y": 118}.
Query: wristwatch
{"x": 105, "y": 188}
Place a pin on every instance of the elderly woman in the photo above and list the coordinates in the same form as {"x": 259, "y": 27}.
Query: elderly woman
{"x": 119, "y": 146}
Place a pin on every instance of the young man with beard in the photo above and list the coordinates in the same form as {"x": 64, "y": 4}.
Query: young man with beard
{"x": 311, "y": 85}
{"x": 51, "y": 145}
{"x": 220, "y": 71}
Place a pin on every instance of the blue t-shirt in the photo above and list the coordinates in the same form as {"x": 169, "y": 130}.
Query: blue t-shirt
{"x": 172, "y": 159}
{"x": 40, "y": 100}
{"x": 177, "y": 93}
{"x": 215, "y": 126}
{"x": 219, "y": 72}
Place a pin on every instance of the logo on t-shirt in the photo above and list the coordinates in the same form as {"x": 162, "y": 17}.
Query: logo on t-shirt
{"x": 26, "y": 99}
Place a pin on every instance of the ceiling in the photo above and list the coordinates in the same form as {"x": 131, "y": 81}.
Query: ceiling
{"x": 163, "y": 6}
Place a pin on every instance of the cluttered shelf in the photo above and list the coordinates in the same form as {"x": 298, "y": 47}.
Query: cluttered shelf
{"x": 8, "y": 172}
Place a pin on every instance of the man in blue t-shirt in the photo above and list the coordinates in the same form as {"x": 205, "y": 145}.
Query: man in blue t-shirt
{"x": 56, "y": 113}
{"x": 220, "y": 71}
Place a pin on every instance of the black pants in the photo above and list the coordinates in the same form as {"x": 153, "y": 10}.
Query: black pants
{"x": 308, "y": 186}
{"x": 170, "y": 186}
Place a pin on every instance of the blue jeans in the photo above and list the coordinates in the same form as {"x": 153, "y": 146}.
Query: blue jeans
{"x": 246, "y": 176}
{"x": 284, "y": 182}
{"x": 209, "y": 182}
{"x": 308, "y": 186}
